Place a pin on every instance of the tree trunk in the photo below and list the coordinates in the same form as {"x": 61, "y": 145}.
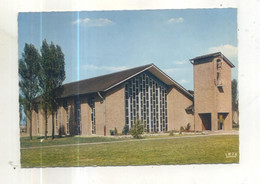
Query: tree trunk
{"x": 46, "y": 122}
{"x": 52, "y": 117}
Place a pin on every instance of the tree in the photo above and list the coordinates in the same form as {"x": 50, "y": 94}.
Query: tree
{"x": 21, "y": 108}
{"x": 125, "y": 130}
{"x": 29, "y": 82}
{"x": 137, "y": 129}
{"x": 234, "y": 95}
{"x": 51, "y": 78}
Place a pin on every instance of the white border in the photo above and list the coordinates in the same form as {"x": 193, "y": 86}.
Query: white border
{"x": 249, "y": 90}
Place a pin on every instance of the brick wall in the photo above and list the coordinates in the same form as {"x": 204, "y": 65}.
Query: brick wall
{"x": 177, "y": 115}
{"x": 208, "y": 98}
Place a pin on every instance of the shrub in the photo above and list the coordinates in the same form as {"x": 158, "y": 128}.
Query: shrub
{"x": 116, "y": 132}
{"x": 112, "y": 132}
{"x": 188, "y": 127}
{"x": 181, "y": 130}
{"x": 137, "y": 129}
{"x": 171, "y": 133}
{"x": 235, "y": 125}
{"x": 125, "y": 130}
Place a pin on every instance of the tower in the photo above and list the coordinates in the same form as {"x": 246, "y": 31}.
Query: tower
{"x": 212, "y": 92}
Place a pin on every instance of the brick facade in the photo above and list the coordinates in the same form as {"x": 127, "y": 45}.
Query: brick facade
{"x": 98, "y": 112}
{"x": 177, "y": 115}
{"x": 212, "y": 94}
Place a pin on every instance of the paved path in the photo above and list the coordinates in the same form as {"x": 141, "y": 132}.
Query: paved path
{"x": 137, "y": 140}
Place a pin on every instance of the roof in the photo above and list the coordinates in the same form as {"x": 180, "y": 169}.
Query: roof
{"x": 217, "y": 54}
{"x": 100, "y": 83}
{"x": 191, "y": 92}
{"x": 106, "y": 82}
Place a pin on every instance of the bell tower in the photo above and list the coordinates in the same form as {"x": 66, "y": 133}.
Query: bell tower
{"x": 212, "y": 92}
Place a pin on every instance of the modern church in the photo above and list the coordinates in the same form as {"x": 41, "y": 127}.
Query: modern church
{"x": 97, "y": 105}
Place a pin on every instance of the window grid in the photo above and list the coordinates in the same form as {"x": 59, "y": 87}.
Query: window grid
{"x": 78, "y": 115}
{"x": 93, "y": 115}
{"x": 146, "y": 100}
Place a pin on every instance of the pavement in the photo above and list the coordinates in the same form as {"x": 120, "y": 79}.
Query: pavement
{"x": 202, "y": 134}
{"x": 221, "y": 132}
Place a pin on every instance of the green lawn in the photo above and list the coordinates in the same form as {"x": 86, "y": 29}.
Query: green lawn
{"x": 40, "y": 141}
{"x": 189, "y": 150}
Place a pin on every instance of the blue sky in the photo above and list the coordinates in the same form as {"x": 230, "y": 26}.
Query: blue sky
{"x": 101, "y": 42}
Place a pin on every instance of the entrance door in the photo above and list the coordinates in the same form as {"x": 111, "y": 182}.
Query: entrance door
{"x": 221, "y": 120}
{"x": 206, "y": 121}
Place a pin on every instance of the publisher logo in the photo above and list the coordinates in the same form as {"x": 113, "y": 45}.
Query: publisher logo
{"x": 231, "y": 155}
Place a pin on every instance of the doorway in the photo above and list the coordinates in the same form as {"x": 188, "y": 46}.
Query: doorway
{"x": 221, "y": 120}
{"x": 206, "y": 121}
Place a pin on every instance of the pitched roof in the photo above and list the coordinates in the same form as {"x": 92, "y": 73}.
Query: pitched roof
{"x": 100, "y": 83}
{"x": 106, "y": 82}
{"x": 216, "y": 54}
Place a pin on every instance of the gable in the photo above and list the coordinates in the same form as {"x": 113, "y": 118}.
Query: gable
{"x": 106, "y": 82}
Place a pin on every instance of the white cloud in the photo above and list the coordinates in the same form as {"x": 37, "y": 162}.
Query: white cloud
{"x": 228, "y": 50}
{"x": 94, "y": 22}
{"x": 175, "y": 20}
{"x": 106, "y": 68}
{"x": 183, "y": 81}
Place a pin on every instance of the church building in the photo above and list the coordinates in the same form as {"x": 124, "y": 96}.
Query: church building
{"x": 97, "y": 105}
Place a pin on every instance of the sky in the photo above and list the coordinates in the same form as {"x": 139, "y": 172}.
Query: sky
{"x": 100, "y": 42}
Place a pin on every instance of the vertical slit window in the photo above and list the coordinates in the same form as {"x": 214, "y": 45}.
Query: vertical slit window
{"x": 145, "y": 99}
{"x": 93, "y": 116}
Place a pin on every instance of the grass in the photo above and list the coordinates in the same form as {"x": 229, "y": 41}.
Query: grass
{"x": 40, "y": 141}
{"x": 189, "y": 150}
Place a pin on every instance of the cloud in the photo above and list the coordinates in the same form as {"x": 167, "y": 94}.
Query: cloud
{"x": 183, "y": 81}
{"x": 175, "y": 20}
{"x": 100, "y": 22}
{"x": 228, "y": 50}
{"x": 106, "y": 68}
{"x": 180, "y": 62}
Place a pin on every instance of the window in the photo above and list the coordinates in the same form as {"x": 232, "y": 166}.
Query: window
{"x": 67, "y": 117}
{"x": 93, "y": 115}
{"x": 78, "y": 115}
{"x": 145, "y": 98}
